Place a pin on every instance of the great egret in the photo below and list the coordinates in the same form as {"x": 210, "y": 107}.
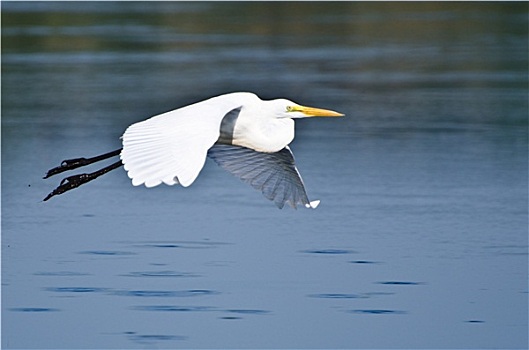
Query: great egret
{"x": 243, "y": 134}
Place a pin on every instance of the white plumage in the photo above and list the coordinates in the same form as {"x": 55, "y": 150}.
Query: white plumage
{"x": 245, "y": 135}
{"x": 172, "y": 147}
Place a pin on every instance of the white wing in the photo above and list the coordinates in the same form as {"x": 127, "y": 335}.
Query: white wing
{"x": 172, "y": 147}
{"x": 275, "y": 174}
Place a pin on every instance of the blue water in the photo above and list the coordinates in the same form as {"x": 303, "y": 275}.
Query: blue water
{"x": 420, "y": 240}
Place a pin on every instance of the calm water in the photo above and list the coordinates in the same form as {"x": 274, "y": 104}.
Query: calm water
{"x": 421, "y": 237}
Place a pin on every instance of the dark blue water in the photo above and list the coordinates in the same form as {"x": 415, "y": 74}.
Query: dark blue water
{"x": 420, "y": 240}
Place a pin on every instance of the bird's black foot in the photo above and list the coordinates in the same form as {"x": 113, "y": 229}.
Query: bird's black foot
{"x": 75, "y": 181}
{"x": 74, "y": 163}
{"x": 69, "y": 183}
{"x": 66, "y": 165}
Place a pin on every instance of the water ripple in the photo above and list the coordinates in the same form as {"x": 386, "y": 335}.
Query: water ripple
{"x": 400, "y": 283}
{"x": 475, "y": 321}
{"x": 33, "y": 309}
{"x": 377, "y": 312}
{"x": 179, "y": 244}
{"x": 339, "y": 296}
{"x": 177, "y": 308}
{"x": 172, "y": 308}
{"x": 60, "y": 273}
{"x": 369, "y": 294}
{"x": 328, "y": 251}
{"x": 165, "y": 293}
{"x": 248, "y": 311}
{"x": 160, "y": 274}
{"x": 75, "y": 289}
{"x": 107, "y": 252}
{"x": 162, "y": 245}
{"x": 152, "y": 338}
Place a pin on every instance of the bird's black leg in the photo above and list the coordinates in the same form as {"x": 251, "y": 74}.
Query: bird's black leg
{"x": 75, "y": 181}
{"x": 70, "y": 164}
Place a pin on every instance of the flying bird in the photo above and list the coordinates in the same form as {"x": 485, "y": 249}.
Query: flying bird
{"x": 245, "y": 135}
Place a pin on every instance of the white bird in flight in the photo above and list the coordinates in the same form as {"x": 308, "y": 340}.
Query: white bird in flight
{"x": 243, "y": 134}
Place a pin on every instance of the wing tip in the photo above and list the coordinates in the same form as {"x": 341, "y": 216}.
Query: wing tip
{"x": 313, "y": 204}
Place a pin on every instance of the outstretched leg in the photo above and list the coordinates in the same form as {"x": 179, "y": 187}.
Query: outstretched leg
{"x": 70, "y": 164}
{"x": 75, "y": 181}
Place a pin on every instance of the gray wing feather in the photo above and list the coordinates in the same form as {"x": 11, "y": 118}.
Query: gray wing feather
{"x": 274, "y": 174}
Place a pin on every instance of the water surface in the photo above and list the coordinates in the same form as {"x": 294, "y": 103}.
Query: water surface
{"x": 421, "y": 237}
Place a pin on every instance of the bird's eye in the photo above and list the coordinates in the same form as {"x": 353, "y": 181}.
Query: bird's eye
{"x": 290, "y": 108}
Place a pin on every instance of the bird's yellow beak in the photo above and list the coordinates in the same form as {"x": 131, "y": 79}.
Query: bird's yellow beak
{"x": 316, "y": 112}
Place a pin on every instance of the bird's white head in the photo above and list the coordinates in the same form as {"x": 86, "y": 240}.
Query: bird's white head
{"x": 284, "y": 108}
